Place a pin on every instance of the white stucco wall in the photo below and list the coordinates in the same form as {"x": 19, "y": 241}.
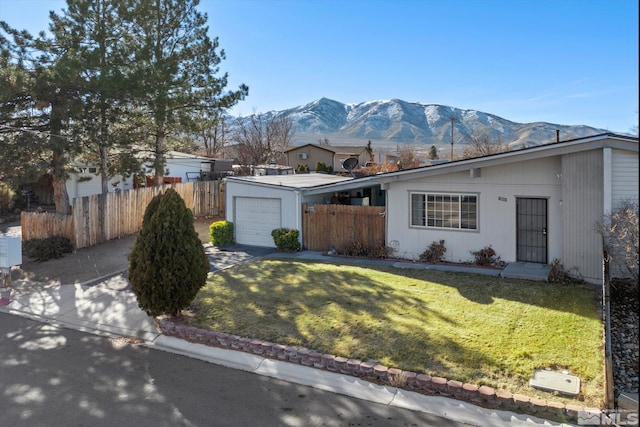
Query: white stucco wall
{"x": 496, "y": 217}
{"x": 179, "y": 167}
{"x": 92, "y": 184}
{"x": 291, "y": 203}
{"x": 87, "y": 183}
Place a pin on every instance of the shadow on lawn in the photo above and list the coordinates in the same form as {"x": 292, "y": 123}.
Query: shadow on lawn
{"x": 415, "y": 326}
{"x": 291, "y": 303}
{"x": 481, "y": 289}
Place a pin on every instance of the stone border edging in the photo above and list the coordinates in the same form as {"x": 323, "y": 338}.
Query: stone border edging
{"x": 484, "y": 396}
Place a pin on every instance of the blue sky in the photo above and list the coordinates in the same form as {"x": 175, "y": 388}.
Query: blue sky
{"x": 560, "y": 61}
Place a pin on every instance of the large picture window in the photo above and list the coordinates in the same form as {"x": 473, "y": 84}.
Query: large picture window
{"x": 459, "y": 211}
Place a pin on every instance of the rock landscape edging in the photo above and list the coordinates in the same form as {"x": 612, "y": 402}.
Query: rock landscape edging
{"x": 484, "y": 396}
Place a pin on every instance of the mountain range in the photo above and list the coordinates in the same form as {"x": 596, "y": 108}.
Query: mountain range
{"x": 394, "y": 122}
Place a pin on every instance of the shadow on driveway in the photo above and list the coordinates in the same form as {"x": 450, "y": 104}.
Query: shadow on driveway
{"x": 224, "y": 257}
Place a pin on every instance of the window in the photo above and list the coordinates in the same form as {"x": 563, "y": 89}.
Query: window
{"x": 436, "y": 210}
{"x": 302, "y": 156}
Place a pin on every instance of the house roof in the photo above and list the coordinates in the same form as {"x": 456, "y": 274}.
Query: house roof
{"x": 302, "y": 180}
{"x": 321, "y": 147}
{"x": 541, "y": 151}
{"x": 181, "y": 155}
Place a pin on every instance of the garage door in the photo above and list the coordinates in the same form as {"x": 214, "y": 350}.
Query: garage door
{"x": 255, "y": 218}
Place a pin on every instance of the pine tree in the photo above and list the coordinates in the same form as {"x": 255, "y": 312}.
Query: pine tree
{"x": 433, "y": 153}
{"x": 177, "y": 67}
{"x": 168, "y": 265}
{"x": 97, "y": 41}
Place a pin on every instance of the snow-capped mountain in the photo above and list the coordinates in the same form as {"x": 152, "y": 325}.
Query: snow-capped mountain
{"x": 395, "y": 121}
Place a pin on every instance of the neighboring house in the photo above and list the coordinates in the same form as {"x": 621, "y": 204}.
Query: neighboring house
{"x": 180, "y": 167}
{"x": 532, "y": 205}
{"x": 85, "y": 181}
{"x": 310, "y": 154}
{"x": 190, "y": 167}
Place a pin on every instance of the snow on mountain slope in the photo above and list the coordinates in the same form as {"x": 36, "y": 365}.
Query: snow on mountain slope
{"x": 395, "y": 121}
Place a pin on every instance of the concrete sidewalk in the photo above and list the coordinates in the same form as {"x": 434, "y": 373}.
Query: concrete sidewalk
{"x": 89, "y": 291}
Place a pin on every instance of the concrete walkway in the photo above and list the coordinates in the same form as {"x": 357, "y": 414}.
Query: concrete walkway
{"x": 89, "y": 291}
{"x": 527, "y": 271}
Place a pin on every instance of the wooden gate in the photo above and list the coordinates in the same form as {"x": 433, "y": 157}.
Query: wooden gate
{"x": 335, "y": 226}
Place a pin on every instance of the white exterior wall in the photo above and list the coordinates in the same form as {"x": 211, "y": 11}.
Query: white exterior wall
{"x": 290, "y": 201}
{"x": 93, "y": 185}
{"x": 624, "y": 180}
{"x": 180, "y": 167}
{"x": 496, "y": 218}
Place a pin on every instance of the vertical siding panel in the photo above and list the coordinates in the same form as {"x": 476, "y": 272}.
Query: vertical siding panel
{"x": 624, "y": 187}
{"x": 582, "y": 209}
{"x": 624, "y": 176}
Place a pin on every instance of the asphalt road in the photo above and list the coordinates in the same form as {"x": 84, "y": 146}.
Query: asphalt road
{"x": 51, "y": 376}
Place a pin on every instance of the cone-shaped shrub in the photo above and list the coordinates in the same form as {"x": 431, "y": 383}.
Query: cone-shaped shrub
{"x": 168, "y": 265}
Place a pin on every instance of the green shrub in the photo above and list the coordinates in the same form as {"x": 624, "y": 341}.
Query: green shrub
{"x": 434, "y": 253}
{"x": 168, "y": 265}
{"x": 221, "y": 233}
{"x": 286, "y": 239}
{"x": 47, "y": 248}
{"x": 322, "y": 167}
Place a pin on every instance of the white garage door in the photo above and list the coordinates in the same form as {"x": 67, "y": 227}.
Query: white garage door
{"x": 255, "y": 218}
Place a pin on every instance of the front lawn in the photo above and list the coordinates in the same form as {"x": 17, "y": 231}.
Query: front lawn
{"x": 472, "y": 328}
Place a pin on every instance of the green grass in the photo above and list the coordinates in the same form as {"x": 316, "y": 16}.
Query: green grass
{"x": 471, "y": 328}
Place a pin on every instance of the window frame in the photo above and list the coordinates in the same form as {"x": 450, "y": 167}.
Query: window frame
{"x": 443, "y": 211}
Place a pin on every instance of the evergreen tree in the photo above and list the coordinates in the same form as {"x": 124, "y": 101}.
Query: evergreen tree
{"x": 168, "y": 265}
{"x": 112, "y": 74}
{"x": 94, "y": 37}
{"x": 176, "y": 66}
{"x": 369, "y": 151}
{"x": 433, "y": 153}
{"x": 38, "y": 97}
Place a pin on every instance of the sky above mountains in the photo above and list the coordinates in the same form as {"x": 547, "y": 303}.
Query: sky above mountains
{"x": 570, "y": 62}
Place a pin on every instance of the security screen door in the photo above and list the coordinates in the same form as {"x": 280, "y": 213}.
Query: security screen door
{"x": 531, "y": 225}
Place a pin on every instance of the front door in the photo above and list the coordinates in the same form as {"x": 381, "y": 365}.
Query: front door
{"x": 531, "y": 233}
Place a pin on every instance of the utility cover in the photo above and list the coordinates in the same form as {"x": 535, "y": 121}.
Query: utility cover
{"x": 555, "y": 381}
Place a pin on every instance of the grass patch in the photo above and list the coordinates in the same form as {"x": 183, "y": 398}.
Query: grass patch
{"x": 471, "y": 328}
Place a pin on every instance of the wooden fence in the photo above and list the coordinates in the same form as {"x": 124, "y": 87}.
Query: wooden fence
{"x": 102, "y": 217}
{"x": 335, "y": 226}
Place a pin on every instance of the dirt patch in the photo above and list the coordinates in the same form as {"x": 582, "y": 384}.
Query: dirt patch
{"x": 201, "y": 225}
